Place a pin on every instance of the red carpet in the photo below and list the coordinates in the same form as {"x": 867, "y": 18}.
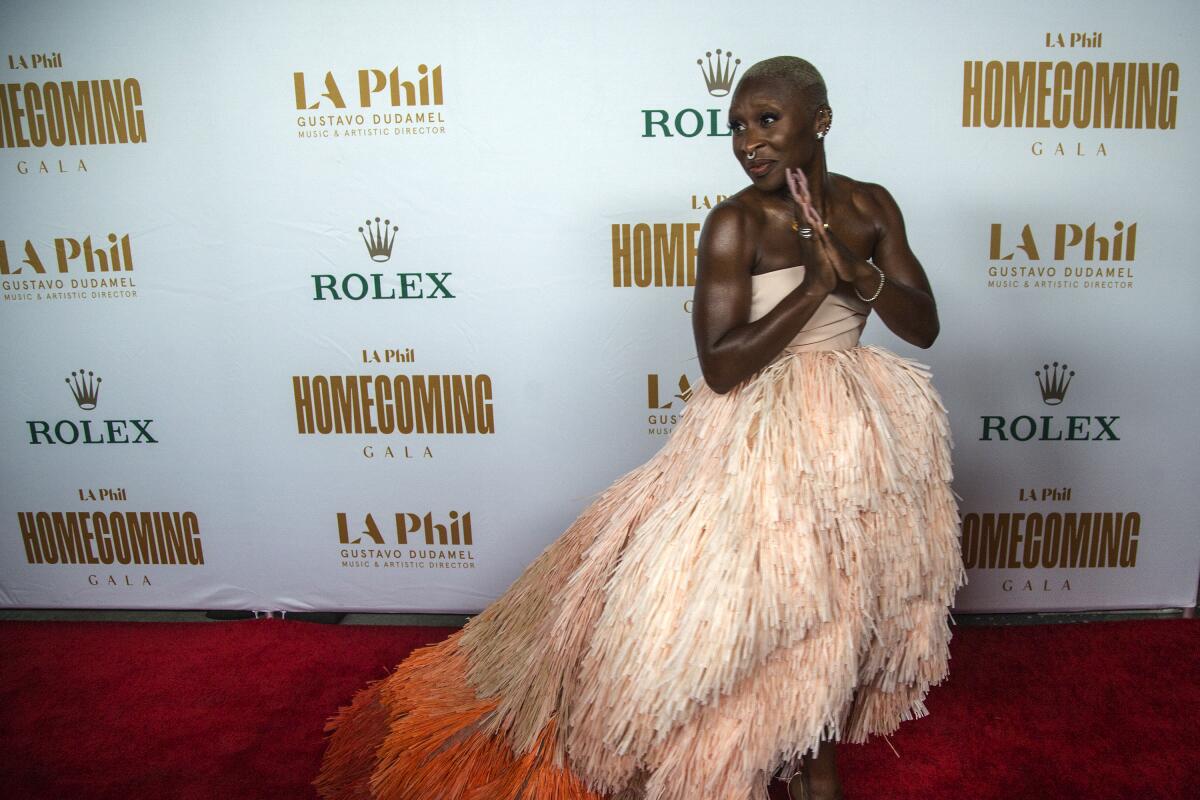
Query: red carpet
{"x": 234, "y": 710}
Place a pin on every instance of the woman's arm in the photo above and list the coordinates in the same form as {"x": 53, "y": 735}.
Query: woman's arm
{"x": 729, "y": 346}
{"x": 903, "y": 300}
{"x": 906, "y": 304}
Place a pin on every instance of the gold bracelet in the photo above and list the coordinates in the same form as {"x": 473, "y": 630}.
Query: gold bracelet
{"x": 875, "y": 296}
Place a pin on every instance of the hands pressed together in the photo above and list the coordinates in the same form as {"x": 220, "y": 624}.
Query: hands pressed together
{"x": 830, "y": 262}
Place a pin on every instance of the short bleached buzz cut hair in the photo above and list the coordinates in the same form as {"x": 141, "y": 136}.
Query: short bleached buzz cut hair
{"x": 794, "y": 71}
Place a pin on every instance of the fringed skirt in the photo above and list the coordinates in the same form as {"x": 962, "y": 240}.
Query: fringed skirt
{"x": 780, "y": 572}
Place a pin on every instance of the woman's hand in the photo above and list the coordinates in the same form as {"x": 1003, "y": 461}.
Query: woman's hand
{"x": 831, "y": 257}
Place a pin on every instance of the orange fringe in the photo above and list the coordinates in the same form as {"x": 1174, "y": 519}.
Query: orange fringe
{"x": 415, "y": 736}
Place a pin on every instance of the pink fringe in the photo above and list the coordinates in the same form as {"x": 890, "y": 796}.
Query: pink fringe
{"x": 778, "y": 573}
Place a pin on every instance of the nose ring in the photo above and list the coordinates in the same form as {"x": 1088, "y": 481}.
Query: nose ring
{"x": 750, "y": 156}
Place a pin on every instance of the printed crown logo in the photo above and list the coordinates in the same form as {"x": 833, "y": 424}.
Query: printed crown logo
{"x": 379, "y": 239}
{"x": 1053, "y": 380}
{"x": 85, "y": 387}
{"x": 719, "y": 77}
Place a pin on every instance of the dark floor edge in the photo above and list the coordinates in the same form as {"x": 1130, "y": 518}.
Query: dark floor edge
{"x": 1063, "y": 617}
{"x": 458, "y": 620}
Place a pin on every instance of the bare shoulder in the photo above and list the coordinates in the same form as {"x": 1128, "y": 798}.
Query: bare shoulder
{"x": 742, "y": 212}
{"x": 875, "y": 207}
{"x": 730, "y": 234}
{"x": 871, "y": 200}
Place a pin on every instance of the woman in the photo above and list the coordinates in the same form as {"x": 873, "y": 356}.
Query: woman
{"x": 777, "y": 576}
{"x": 753, "y": 301}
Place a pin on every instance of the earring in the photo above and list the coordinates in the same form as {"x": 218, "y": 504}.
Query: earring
{"x": 828, "y": 124}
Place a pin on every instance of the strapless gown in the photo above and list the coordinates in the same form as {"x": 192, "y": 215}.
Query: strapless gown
{"x": 779, "y": 572}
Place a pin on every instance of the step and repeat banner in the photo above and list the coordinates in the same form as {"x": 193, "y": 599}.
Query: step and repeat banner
{"x": 312, "y": 306}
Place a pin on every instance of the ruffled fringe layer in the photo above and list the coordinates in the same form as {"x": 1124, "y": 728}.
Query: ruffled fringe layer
{"x": 778, "y": 573}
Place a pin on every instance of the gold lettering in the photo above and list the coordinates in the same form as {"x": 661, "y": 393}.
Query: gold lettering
{"x": 1062, "y": 94}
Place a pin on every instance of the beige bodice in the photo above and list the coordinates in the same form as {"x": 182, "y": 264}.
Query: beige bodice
{"x": 835, "y": 325}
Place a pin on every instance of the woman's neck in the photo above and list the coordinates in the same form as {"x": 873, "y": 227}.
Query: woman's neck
{"x": 820, "y": 187}
{"x": 819, "y": 183}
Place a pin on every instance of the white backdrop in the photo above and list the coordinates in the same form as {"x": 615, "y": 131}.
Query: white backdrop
{"x": 505, "y": 181}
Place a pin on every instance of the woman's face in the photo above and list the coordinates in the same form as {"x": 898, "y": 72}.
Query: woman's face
{"x": 770, "y": 119}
